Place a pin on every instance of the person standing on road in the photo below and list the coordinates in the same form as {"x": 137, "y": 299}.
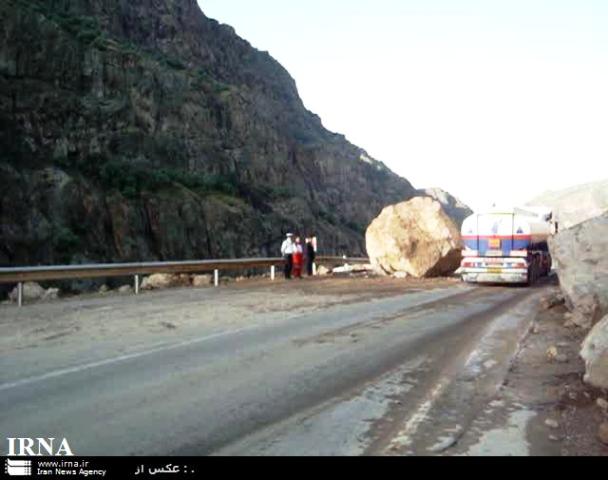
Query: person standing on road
{"x": 298, "y": 258}
{"x": 310, "y": 256}
{"x": 287, "y": 249}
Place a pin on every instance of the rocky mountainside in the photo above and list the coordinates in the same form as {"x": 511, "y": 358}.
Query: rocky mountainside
{"x": 141, "y": 129}
{"x": 577, "y": 204}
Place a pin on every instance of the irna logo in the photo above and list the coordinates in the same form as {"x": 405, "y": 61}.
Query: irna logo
{"x": 37, "y": 447}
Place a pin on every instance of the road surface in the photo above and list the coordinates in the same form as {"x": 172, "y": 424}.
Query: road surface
{"x": 317, "y": 367}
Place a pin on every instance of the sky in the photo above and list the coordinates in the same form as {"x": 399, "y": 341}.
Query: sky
{"x": 493, "y": 101}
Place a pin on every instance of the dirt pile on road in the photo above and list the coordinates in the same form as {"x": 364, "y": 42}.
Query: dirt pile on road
{"x": 416, "y": 237}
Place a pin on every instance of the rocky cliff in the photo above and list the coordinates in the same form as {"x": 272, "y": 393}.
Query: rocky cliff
{"x": 141, "y": 129}
{"x": 576, "y": 204}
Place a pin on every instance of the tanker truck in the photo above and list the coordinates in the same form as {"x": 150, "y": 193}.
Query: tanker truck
{"x": 507, "y": 245}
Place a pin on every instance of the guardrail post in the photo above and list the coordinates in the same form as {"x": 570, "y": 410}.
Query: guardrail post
{"x": 216, "y": 277}
{"x": 272, "y": 272}
{"x": 20, "y": 294}
{"x": 136, "y": 284}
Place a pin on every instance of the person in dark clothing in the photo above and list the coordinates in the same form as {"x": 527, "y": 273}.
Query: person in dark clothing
{"x": 310, "y": 256}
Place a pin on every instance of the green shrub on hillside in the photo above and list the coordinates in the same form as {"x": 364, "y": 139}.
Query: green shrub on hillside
{"x": 132, "y": 179}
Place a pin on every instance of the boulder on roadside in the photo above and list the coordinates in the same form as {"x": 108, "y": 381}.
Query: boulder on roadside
{"x": 416, "y": 237}
{"x": 322, "y": 270}
{"x": 51, "y": 294}
{"x": 160, "y": 280}
{"x": 343, "y": 269}
{"x": 125, "y": 289}
{"x": 551, "y": 353}
{"x": 31, "y": 291}
{"x": 595, "y": 353}
{"x": 201, "y": 280}
{"x": 579, "y": 256}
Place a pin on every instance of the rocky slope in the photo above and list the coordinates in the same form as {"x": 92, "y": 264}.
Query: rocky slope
{"x": 576, "y": 204}
{"x": 141, "y": 129}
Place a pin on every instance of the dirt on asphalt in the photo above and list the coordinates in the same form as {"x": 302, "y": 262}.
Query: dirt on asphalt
{"x": 168, "y": 313}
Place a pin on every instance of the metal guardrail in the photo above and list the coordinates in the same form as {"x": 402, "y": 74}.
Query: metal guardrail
{"x": 19, "y": 275}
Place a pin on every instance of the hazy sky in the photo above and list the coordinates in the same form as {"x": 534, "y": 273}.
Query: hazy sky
{"x": 494, "y": 101}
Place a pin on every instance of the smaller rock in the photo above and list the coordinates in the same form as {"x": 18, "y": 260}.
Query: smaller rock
{"x": 554, "y": 438}
{"x": 31, "y": 291}
{"x": 602, "y": 403}
{"x": 581, "y": 320}
{"x": 602, "y": 433}
{"x": 552, "y": 300}
{"x": 535, "y": 329}
{"x": 51, "y": 294}
{"x": 551, "y": 423}
{"x": 160, "y": 280}
{"x": 552, "y": 352}
{"x": 104, "y": 289}
{"x": 400, "y": 275}
{"x": 125, "y": 289}
{"x": 343, "y": 269}
{"x": 321, "y": 270}
{"x": 201, "y": 280}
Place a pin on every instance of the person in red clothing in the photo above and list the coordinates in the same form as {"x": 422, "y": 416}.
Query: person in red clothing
{"x": 298, "y": 258}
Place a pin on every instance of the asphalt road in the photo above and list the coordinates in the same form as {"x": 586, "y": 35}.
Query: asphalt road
{"x": 351, "y": 378}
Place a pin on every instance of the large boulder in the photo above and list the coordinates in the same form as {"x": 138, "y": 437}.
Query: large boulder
{"x": 164, "y": 280}
{"x": 579, "y": 256}
{"x": 416, "y": 237}
{"x": 31, "y": 291}
{"x": 595, "y": 354}
{"x": 201, "y": 280}
{"x": 455, "y": 209}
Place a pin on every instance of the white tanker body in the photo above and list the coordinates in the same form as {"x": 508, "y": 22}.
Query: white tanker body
{"x": 506, "y": 246}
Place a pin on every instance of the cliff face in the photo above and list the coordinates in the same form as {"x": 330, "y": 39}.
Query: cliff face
{"x": 576, "y": 204}
{"x": 141, "y": 129}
